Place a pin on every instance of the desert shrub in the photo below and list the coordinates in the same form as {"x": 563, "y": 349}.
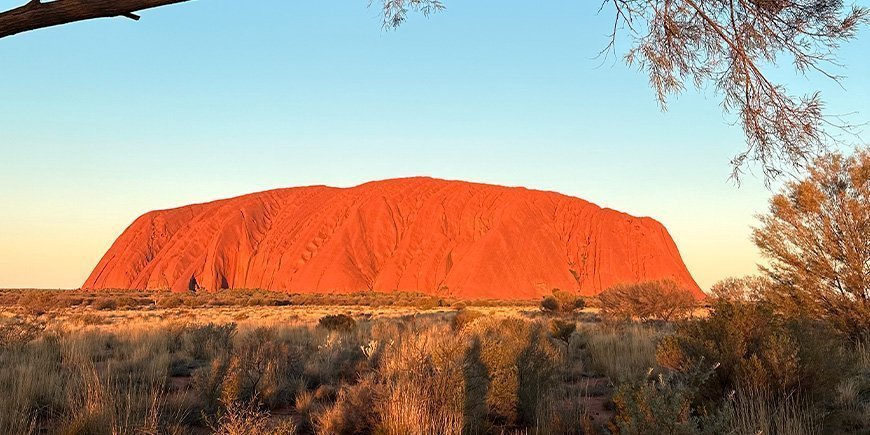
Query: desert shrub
{"x": 662, "y": 300}
{"x": 421, "y": 374}
{"x": 16, "y": 331}
{"x": 37, "y": 302}
{"x": 563, "y": 412}
{"x": 91, "y": 319}
{"x": 428, "y": 303}
{"x": 246, "y": 419}
{"x": 550, "y": 304}
{"x": 562, "y": 330}
{"x": 167, "y": 302}
{"x": 562, "y": 302}
{"x": 852, "y": 395}
{"x": 204, "y": 342}
{"x": 658, "y": 406}
{"x": 34, "y": 382}
{"x": 337, "y": 358}
{"x": 337, "y": 322}
{"x": 99, "y": 407}
{"x": 263, "y": 369}
{"x": 114, "y": 383}
{"x": 464, "y": 317}
{"x": 537, "y": 371}
{"x": 747, "y": 288}
{"x": 756, "y": 349}
{"x": 105, "y": 304}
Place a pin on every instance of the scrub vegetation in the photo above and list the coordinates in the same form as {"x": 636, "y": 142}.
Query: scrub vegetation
{"x": 785, "y": 352}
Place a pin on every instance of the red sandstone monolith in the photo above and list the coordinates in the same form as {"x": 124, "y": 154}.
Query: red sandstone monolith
{"x": 445, "y": 238}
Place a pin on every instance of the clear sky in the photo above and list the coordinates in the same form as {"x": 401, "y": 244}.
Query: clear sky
{"x": 102, "y": 121}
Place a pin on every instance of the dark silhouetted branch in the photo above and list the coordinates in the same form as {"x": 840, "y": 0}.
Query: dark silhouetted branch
{"x": 37, "y": 15}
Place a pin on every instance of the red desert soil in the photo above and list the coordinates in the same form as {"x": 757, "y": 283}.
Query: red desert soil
{"x": 439, "y": 237}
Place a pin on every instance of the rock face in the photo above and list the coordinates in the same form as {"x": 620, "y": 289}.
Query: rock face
{"x": 446, "y": 238}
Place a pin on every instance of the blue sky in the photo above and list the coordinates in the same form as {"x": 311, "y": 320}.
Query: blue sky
{"x": 101, "y": 121}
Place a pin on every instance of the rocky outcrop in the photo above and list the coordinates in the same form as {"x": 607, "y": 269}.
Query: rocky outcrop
{"x": 449, "y": 238}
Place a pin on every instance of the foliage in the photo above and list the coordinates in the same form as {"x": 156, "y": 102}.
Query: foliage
{"x": 755, "y": 349}
{"x": 464, "y": 317}
{"x": 421, "y": 374}
{"x": 17, "y": 331}
{"x": 562, "y": 302}
{"x": 727, "y": 45}
{"x": 352, "y": 412}
{"x": 816, "y": 237}
{"x": 655, "y": 407}
{"x": 246, "y": 419}
{"x": 663, "y": 300}
{"x": 562, "y": 330}
{"x": 747, "y": 288}
{"x": 337, "y": 322}
{"x": 550, "y": 304}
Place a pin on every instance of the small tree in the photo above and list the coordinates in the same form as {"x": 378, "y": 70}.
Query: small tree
{"x": 663, "y": 300}
{"x": 816, "y": 237}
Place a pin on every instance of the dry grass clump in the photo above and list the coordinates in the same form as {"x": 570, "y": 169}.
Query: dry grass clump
{"x": 89, "y": 383}
{"x": 622, "y": 353}
{"x": 496, "y": 373}
{"x": 755, "y": 411}
{"x": 352, "y": 412}
{"x": 425, "y": 386}
{"x": 852, "y": 393}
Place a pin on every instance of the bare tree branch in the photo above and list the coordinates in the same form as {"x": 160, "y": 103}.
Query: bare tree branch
{"x": 727, "y": 44}
{"x": 37, "y": 15}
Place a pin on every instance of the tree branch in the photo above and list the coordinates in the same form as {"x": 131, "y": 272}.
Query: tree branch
{"x": 36, "y": 15}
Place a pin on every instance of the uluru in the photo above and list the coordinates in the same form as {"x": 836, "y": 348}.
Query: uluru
{"x": 438, "y": 237}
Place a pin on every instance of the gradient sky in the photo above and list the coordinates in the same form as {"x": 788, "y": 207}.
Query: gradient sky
{"x": 102, "y": 121}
